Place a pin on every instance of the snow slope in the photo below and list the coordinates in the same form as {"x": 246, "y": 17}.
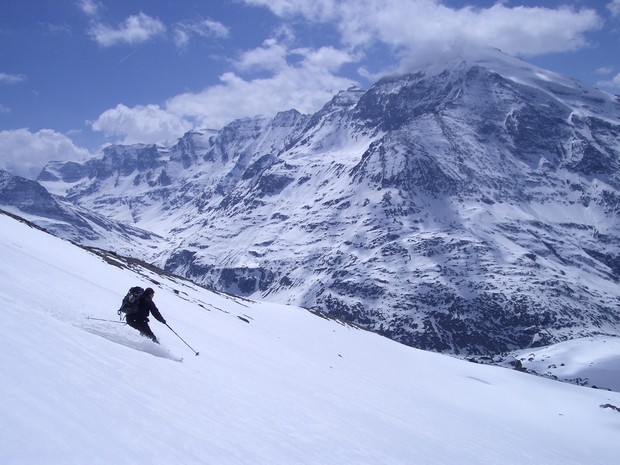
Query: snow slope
{"x": 591, "y": 361}
{"x": 272, "y": 385}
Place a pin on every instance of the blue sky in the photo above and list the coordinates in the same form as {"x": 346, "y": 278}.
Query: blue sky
{"x": 78, "y": 74}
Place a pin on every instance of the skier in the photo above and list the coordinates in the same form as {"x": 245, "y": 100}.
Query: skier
{"x": 139, "y": 320}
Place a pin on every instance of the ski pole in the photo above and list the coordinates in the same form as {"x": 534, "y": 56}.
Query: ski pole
{"x": 195, "y": 353}
{"x": 109, "y": 321}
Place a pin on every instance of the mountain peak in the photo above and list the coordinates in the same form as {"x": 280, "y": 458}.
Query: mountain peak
{"x": 468, "y": 207}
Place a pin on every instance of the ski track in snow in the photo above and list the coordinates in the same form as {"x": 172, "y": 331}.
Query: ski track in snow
{"x": 123, "y": 336}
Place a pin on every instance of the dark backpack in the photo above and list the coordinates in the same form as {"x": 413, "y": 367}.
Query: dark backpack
{"x": 131, "y": 301}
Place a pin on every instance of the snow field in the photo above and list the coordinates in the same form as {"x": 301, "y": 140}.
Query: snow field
{"x": 286, "y": 388}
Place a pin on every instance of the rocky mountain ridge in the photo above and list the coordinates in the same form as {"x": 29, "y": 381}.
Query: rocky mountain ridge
{"x": 470, "y": 207}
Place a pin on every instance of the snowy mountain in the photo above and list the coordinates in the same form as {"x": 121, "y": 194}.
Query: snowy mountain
{"x": 30, "y": 200}
{"x": 272, "y": 385}
{"x": 469, "y": 207}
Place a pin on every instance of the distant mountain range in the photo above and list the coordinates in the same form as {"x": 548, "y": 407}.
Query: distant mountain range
{"x": 30, "y": 200}
{"x": 471, "y": 207}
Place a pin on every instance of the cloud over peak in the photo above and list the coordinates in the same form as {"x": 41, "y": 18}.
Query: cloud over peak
{"x": 284, "y": 72}
{"x": 412, "y": 27}
{"x": 142, "y": 123}
{"x": 26, "y": 152}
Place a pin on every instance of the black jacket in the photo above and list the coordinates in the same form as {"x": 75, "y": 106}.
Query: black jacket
{"x": 147, "y": 306}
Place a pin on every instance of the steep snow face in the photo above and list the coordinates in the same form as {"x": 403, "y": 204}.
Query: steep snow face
{"x": 272, "y": 384}
{"x": 469, "y": 208}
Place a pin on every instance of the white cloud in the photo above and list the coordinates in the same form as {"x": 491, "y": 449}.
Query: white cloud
{"x": 271, "y": 56}
{"x": 183, "y": 31}
{"x": 89, "y": 7}
{"x": 327, "y": 58}
{"x": 135, "y": 29}
{"x": 141, "y": 124}
{"x": 314, "y": 10}
{"x": 57, "y": 28}
{"x": 614, "y": 8}
{"x": 11, "y": 78}
{"x": 417, "y": 27}
{"x": 614, "y": 83}
{"x": 25, "y": 153}
{"x": 301, "y": 79}
{"x": 604, "y": 70}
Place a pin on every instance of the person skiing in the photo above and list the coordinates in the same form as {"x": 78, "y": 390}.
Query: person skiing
{"x": 139, "y": 320}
